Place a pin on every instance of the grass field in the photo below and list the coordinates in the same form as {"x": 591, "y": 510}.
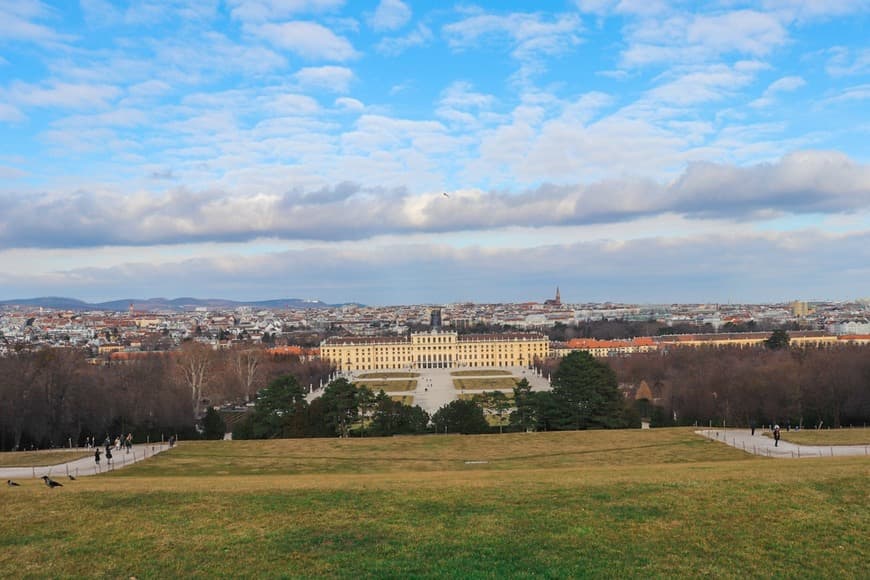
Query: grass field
{"x": 857, "y": 436}
{"x": 509, "y": 395}
{"x": 404, "y": 399}
{"x": 480, "y": 373}
{"x": 488, "y": 384}
{"x": 557, "y": 505}
{"x": 39, "y": 458}
{"x": 389, "y": 375}
{"x": 388, "y": 386}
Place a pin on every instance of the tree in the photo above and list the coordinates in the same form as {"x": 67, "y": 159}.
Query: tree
{"x": 212, "y": 424}
{"x": 585, "y": 391}
{"x": 394, "y": 418}
{"x": 496, "y": 403}
{"x": 460, "y": 416}
{"x": 246, "y": 364}
{"x": 341, "y": 407}
{"x": 779, "y": 339}
{"x": 194, "y": 363}
{"x": 280, "y": 411}
{"x": 365, "y": 400}
{"x": 524, "y": 415}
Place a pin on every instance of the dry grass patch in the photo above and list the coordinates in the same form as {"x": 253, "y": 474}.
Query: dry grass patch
{"x": 480, "y": 373}
{"x": 855, "y": 436}
{"x": 40, "y": 458}
{"x": 389, "y": 375}
{"x": 492, "y": 384}
{"x": 660, "y": 503}
{"x": 404, "y": 399}
{"x": 388, "y": 386}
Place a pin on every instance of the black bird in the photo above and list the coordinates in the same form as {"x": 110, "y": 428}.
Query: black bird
{"x": 50, "y": 482}
{"x": 72, "y": 477}
{"x": 11, "y": 483}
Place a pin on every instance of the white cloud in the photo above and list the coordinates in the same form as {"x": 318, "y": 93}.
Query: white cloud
{"x": 699, "y": 38}
{"x": 783, "y": 85}
{"x": 349, "y": 104}
{"x": 803, "y": 182}
{"x": 459, "y": 99}
{"x": 18, "y": 23}
{"x": 528, "y": 35}
{"x": 307, "y": 39}
{"x": 8, "y": 113}
{"x": 265, "y": 10}
{"x": 331, "y": 78}
{"x": 393, "y": 46}
{"x": 847, "y": 62}
{"x": 390, "y": 15}
{"x": 60, "y": 94}
{"x": 710, "y": 83}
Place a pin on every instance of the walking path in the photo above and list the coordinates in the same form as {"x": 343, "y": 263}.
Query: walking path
{"x": 86, "y": 465}
{"x": 761, "y": 445}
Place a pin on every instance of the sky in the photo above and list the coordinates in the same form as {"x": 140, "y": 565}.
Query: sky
{"x": 397, "y": 152}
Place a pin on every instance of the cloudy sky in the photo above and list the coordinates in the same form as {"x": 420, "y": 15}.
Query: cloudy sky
{"x": 397, "y": 152}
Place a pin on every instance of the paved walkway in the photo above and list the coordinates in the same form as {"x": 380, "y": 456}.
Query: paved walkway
{"x": 86, "y": 465}
{"x": 762, "y": 445}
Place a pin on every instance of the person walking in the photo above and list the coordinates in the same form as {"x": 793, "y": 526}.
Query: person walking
{"x": 97, "y": 457}
{"x": 776, "y": 435}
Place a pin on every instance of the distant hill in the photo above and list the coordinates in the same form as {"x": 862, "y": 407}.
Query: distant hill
{"x": 151, "y": 304}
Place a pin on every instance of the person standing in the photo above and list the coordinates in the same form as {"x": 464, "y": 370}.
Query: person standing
{"x": 776, "y": 435}
{"x": 97, "y": 457}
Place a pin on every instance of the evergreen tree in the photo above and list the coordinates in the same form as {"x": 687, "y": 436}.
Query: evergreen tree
{"x": 586, "y": 394}
{"x": 212, "y": 424}
{"x": 460, "y": 416}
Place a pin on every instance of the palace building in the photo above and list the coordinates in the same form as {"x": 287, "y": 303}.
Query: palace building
{"x": 435, "y": 349}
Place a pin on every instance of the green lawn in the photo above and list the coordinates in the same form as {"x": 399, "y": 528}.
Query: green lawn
{"x": 480, "y": 373}
{"x": 659, "y": 503}
{"x": 40, "y": 458}
{"x": 488, "y": 384}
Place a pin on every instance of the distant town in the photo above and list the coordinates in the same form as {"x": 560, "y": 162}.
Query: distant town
{"x": 605, "y": 329}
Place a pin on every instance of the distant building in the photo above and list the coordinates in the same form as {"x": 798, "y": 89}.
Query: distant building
{"x": 435, "y": 349}
{"x": 557, "y": 301}
{"x": 799, "y": 309}
{"x": 435, "y": 318}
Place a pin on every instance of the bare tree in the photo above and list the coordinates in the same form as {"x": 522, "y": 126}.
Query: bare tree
{"x": 194, "y": 363}
{"x": 246, "y": 364}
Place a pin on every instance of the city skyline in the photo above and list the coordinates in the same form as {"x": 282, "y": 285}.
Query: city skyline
{"x": 623, "y": 151}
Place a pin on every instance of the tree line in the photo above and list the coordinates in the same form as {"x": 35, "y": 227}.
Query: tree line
{"x": 827, "y": 386}
{"x": 584, "y": 396}
{"x": 52, "y": 397}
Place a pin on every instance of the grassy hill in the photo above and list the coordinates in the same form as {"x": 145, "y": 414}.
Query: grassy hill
{"x": 619, "y": 503}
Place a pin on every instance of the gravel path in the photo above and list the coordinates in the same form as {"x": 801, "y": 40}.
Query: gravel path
{"x": 761, "y": 445}
{"x": 86, "y": 465}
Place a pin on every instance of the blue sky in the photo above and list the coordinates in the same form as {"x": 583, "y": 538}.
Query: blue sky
{"x": 622, "y": 150}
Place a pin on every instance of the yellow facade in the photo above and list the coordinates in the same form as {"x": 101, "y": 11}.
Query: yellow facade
{"x": 435, "y": 350}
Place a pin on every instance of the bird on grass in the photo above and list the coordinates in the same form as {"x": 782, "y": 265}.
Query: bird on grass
{"x": 11, "y": 483}
{"x": 50, "y": 482}
{"x": 72, "y": 477}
